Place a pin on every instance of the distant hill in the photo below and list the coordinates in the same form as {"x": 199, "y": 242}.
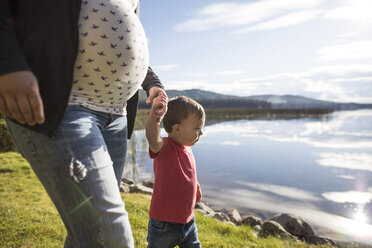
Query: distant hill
{"x": 194, "y": 94}
{"x": 215, "y": 100}
{"x": 210, "y": 99}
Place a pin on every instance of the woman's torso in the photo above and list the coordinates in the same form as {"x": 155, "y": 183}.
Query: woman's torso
{"x": 112, "y": 60}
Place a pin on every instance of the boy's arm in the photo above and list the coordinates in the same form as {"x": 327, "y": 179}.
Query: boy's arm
{"x": 153, "y": 124}
{"x": 198, "y": 194}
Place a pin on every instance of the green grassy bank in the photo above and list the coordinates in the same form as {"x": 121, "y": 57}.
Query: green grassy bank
{"x": 29, "y": 219}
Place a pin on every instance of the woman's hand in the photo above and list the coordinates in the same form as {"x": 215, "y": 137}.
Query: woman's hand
{"x": 20, "y": 98}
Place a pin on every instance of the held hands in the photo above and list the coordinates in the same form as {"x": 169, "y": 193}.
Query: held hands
{"x": 159, "y": 102}
{"x": 20, "y": 98}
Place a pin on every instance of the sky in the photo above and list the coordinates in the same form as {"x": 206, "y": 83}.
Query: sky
{"x": 315, "y": 48}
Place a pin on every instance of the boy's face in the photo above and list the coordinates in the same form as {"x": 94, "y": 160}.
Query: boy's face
{"x": 190, "y": 130}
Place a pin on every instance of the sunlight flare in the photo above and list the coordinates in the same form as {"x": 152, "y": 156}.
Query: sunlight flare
{"x": 360, "y": 217}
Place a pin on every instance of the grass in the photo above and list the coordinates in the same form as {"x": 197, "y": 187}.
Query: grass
{"x": 29, "y": 219}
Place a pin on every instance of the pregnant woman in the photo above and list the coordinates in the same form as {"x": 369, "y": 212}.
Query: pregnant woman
{"x": 69, "y": 78}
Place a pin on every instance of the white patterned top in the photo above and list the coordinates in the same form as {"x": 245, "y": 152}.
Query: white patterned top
{"x": 113, "y": 58}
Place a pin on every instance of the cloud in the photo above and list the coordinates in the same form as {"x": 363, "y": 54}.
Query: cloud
{"x": 195, "y": 74}
{"x": 351, "y": 80}
{"x": 342, "y": 83}
{"x": 229, "y": 73}
{"x": 349, "y": 35}
{"x": 184, "y": 85}
{"x": 335, "y": 71}
{"x": 165, "y": 67}
{"x": 359, "y": 10}
{"x": 283, "y": 21}
{"x": 349, "y": 196}
{"x": 230, "y": 143}
{"x": 350, "y": 51}
{"x": 227, "y": 14}
{"x": 352, "y": 161}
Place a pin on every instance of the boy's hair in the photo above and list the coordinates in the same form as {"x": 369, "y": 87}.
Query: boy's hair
{"x": 179, "y": 108}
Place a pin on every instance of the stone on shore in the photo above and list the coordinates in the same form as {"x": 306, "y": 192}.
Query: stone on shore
{"x": 203, "y": 208}
{"x": 128, "y": 186}
{"x": 124, "y": 185}
{"x": 148, "y": 183}
{"x": 219, "y": 216}
{"x": 235, "y": 216}
{"x": 252, "y": 221}
{"x": 272, "y": 228}
{"x": 127, "y": 181}
{"x": 294, "y": 225}
{"x": 315, "y": 240}
{"x": 257, "y": 228}
{"x": 124, "y": 188}
{"x": 139, "y": 188}
{"x": 300, "y": 229}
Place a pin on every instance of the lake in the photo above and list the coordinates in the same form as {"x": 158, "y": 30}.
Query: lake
{"x": 319, "y": 168}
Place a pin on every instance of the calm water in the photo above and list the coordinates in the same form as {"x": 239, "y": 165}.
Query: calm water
{"x": 319, "y": 169}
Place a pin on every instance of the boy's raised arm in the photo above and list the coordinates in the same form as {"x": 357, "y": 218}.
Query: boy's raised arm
{"x": 153, "y": 124}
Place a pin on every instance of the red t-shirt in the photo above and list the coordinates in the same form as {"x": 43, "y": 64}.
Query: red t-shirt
{"x": 175, "y": 186}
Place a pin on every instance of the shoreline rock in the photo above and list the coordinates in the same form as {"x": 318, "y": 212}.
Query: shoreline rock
{"x": 286, "y": 226}
{"x": 128, "y": 186}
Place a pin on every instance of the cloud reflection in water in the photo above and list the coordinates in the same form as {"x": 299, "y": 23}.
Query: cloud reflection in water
{"x": 352, "y": 161}
{"x": 288, "y": 192}
{"x": 349, "y": 196}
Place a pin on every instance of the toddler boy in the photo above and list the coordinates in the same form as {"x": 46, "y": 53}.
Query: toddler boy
{"x": 176, "y": 190}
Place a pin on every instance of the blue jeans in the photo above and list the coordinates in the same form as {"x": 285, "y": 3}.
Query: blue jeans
{"x": 81, "y": 168}
{"x": 163, "y": 234}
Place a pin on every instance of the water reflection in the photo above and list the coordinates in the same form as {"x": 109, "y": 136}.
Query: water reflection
{"x": 317, "y": 168}
{"x": 352, "y": 161}
{"x": 360, "y": 217}
{"x": 138, "y": 165}
{"x": 349, "y": 196}
{"x": 283, "y": 191}
{"x": 325, "y": 222}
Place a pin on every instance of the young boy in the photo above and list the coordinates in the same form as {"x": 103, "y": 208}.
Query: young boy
{"x": 176, "y": 190}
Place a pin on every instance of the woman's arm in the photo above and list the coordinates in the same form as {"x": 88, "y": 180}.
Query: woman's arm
{"x": 19, "y": 92}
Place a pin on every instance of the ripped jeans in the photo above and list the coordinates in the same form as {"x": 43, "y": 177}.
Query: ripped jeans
{"x": 81, "y": 168}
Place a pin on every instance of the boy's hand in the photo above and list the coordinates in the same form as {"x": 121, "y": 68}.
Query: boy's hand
{"x": 159, "y": 103}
